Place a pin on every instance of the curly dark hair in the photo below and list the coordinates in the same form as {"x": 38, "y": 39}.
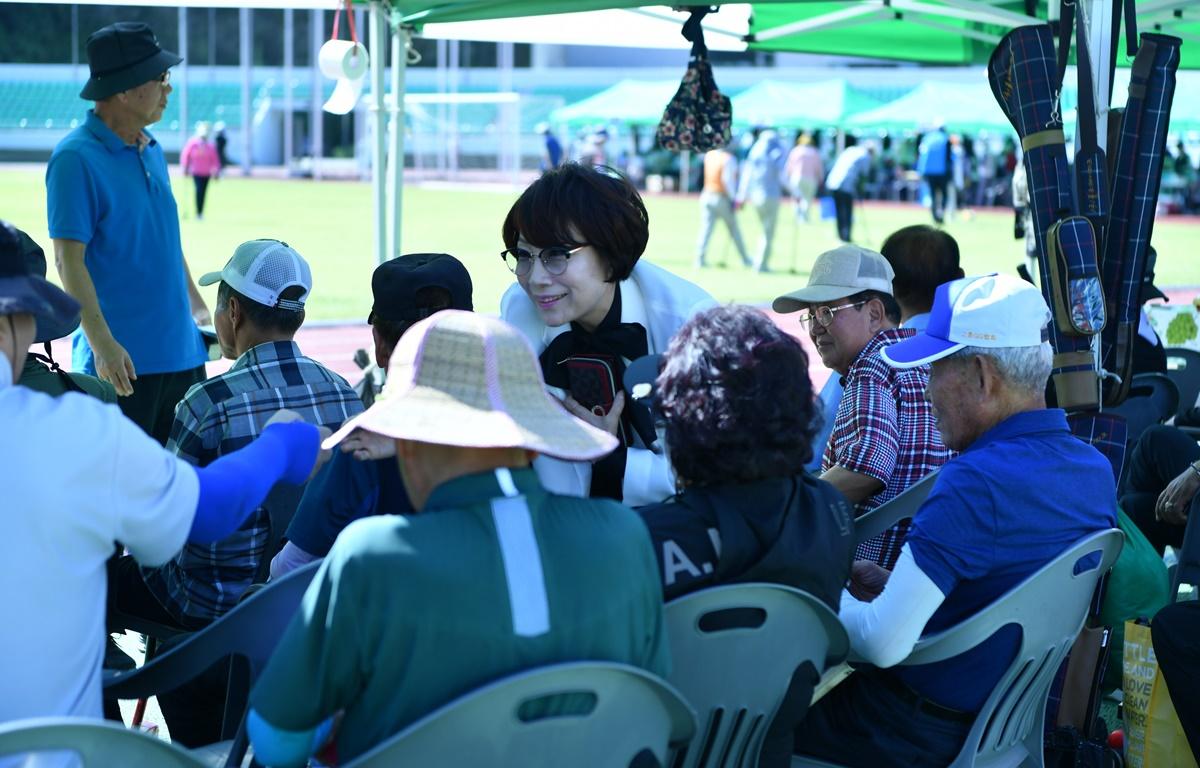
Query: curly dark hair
{"x": 599, "y": 203}
{"x": 738, "y": 403}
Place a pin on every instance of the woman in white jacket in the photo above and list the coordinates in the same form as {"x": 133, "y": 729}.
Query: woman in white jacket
{"x": 589, "y": 306}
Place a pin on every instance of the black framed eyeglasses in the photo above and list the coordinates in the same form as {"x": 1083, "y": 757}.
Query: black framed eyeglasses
{"x": 824, "y": 315}
{"x": 554, "y": 258}
{"x": 165, "y": 77}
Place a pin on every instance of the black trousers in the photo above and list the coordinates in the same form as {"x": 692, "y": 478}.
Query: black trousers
{"x": 155, "y": 395}
{"x": 1160, "y": 455}
{"x": 938, "y": 183}
{"x": 843, "y": 207}
{"x": 862, "y": 723}
{"x": 201, "y": 183}
{"x": 129, "y": 595}
{"x": 1176, "y": 634}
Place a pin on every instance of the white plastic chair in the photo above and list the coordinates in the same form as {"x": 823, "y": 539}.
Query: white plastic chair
{"x": 736, "y": 674}
{"x": 632, "y": 711}
{"x": 1050, "y": 607}
{"x": 97, "y": 743}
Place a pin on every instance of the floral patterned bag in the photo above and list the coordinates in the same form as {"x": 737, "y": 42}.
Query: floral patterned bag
{"x": 699, "y": 117}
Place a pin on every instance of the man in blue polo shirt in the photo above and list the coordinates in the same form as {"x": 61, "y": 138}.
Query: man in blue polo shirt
{"x": 115, "y": 228}
{"x": 997, "y": 513}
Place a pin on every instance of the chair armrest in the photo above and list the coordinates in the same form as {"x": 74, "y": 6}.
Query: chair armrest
{"x": 889, "y": 513}
{"x": 145, "y": 626}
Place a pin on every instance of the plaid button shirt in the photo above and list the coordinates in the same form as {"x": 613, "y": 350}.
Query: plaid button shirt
{"x": 885, "y": 429}
{"x": 219, "y": 416}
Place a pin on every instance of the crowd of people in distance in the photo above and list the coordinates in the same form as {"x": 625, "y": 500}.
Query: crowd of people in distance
{"x": 768, "y": 171}
{"x": 525, "y": 490}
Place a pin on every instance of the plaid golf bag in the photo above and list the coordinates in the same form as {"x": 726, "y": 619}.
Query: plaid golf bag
{"x": 1137, "y": 170}
{"x": 1025, "y": 79}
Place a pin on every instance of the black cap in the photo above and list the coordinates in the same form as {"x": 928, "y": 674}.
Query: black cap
{"x": 395, "y": 284}
{"x": 1148, "y": 289}
{"x": 122, "y": 56}
{"x": 24, "y": 292}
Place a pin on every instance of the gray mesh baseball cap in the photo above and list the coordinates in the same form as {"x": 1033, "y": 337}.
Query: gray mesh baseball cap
{"x": 836, "y": 274}
{"x": 260, "y": 270}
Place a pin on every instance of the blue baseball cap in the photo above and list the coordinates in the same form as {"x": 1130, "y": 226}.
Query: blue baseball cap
{"x": 991, "y": 311}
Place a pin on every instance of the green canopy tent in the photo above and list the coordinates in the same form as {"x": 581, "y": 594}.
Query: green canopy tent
{"x": 800, "y": 105}
{"x": 960, "y": 106}
{"x": 639, "y": 102}
{"x": 929, "y": 31}
{"x": 936, "y": 31}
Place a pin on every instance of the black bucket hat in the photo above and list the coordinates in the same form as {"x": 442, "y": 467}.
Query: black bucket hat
{"x": 122, "y": 56}
{"x": 35, "y": 262}
{"x": 23, "y": 292}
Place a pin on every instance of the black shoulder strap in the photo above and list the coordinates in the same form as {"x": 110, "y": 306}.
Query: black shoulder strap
{"x": 1066, "y": 29}
{"x": 1131, "y": 31}
{"x": 48, "y": 361}
{"x": 693, "y": 32}
{"x": 1086, "y": 119}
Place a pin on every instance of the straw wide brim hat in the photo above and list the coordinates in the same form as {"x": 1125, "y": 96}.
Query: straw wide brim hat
{"x": 462, "y": 379}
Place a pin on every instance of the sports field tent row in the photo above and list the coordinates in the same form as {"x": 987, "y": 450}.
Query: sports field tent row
{"x": 943, "y": 31}
{"x": 770, "y": 102}
{"x": 963, "y": 107}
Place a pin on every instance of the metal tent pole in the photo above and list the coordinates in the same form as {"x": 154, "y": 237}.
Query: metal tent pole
{"x": 452, "y": 120}
{"x": 378, "y": 157}
{"x": 289, "y": 106}
{"x": 316, "y": 122}
{"x": 1100, "y": 22}
{"x": 510, "y": 123}
{"x": 395, "y": 180}
{"x": 245, "y": 35}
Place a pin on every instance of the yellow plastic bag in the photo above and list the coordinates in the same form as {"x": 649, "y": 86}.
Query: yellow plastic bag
{"x": 1153, "y": 735}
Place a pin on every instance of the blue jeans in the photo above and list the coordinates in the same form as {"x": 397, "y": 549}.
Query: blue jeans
{"x": 863, "y": 723}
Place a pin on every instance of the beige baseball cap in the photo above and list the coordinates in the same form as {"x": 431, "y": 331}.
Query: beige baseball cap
{"x": 836, "y": 274}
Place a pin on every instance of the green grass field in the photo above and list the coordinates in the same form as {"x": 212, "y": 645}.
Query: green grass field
{"x": 330, "y": 223}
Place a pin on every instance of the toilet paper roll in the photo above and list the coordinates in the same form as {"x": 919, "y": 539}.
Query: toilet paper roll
{"x": 346, "y": 62}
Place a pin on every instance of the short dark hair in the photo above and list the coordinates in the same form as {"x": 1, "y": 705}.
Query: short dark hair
{"x": 890, "y": 307}
{"x": 429, "y": 300}
{"x": 285, "y": 321}
{"x": 738, "y": 403}
{"x": 922, "y": 258}
{"x": 598, "y": 202}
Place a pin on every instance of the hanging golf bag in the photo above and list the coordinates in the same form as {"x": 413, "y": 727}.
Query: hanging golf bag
{"x": 1025, "y": 79}
{"x": 1137, "y": 164}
